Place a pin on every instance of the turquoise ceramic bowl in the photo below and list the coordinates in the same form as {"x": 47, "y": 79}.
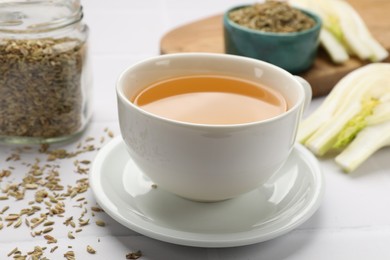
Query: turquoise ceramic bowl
{"x": 294, "y": 52}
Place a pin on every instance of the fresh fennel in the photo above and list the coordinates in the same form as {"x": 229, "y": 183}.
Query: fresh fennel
{"x": 357, "y": 107}
{"x": 344, "y": 32}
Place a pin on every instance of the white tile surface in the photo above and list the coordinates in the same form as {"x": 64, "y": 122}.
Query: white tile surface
{"x": 352, "y": 223}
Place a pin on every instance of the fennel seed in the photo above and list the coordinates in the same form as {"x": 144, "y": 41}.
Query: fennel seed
{"x": 100, "y": 223}
{"x": 70, "y": 235}
{"x": 134, "y": 255}
{"x": 90, "y": 250}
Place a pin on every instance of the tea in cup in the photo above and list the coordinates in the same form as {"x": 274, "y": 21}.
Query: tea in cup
{"x": 209, "y": 127}
{"x": 211, "y": 99}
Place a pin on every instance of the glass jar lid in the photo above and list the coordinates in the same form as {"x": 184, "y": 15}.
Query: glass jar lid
{"x": 30, "y": 16}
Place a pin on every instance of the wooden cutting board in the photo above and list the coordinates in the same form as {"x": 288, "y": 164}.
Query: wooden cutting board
{"x": 206, "y": 35}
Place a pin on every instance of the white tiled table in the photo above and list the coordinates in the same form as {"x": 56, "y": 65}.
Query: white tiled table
{"x": 353, "y": 221}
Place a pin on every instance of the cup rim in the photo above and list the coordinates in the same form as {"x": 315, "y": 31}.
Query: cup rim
{"x": 316, "y": 27}
{"x": 122, "y": 96}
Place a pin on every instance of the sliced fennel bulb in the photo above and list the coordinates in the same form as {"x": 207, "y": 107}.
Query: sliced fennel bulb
{"x": 357, "y": 35}
{"x": 351, "y": 105}
{"x": 336, "y": 97}
{"x": 358, "y": 103}
{"x": 334, "y": 48}
{"x": 343, "y": 28}
{"x": 367, "y": 142}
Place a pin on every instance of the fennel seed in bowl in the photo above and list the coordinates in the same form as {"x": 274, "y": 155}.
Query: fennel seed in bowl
{"x": 272, "y": 16}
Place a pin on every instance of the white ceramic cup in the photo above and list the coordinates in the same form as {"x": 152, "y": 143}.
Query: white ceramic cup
{"x": 208, "y": 162}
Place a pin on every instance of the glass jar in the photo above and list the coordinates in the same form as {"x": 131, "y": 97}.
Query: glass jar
{"x": 45, "y": 80}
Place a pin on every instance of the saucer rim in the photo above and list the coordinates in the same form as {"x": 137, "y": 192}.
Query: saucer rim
{"x": 209, "y": 240}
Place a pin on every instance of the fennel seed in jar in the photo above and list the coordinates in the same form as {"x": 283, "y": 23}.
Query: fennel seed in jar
{"x": 41, "y": 87}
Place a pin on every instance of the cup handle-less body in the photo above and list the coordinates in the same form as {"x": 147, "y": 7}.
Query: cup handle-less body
{"x": 308, "y": 92}
{"x": 208, "y": 162}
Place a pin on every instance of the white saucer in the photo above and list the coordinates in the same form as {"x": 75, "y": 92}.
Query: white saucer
{"x": 273, "y": 209}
